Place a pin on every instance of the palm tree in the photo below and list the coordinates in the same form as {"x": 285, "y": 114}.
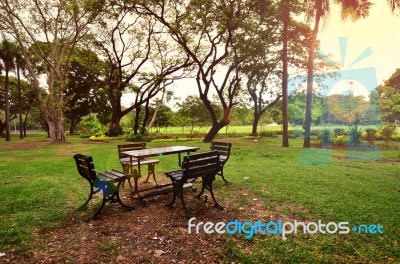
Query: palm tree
{"x": 20, "y": 65}
{"x": 394, "y": 4}
{"x": 7, "y": 55}
{"x": 318, "y": 10}
{"x": 285, "y": 13}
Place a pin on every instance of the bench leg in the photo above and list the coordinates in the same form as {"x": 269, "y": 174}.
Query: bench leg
{"x": 95, "y": 215}
{"x": 151, "y": 170}
{"x": 201, "y": 192}
{"x": 170, "y": 204}
{"x": 92, "y": 191}
{"x": 207, "y": 183}
{"x": 187, "y": 213}
{"x": 222, "y": 175}
{"x": 126, "y": 207}
{"x": 178, "y": 192}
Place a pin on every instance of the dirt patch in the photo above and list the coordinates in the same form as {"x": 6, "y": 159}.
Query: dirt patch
{"x": 152, "y": 233}
{"x": 24, "y": 145}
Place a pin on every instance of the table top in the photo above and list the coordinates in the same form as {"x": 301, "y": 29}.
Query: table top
{"x": 142, "y": 153}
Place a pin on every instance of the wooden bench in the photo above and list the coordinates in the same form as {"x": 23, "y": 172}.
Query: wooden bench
{"x": 107, "y": 182}
{"x": 224, "y": 150}
{"x": 204, "y": 165}
{"x": 128, "y": 163}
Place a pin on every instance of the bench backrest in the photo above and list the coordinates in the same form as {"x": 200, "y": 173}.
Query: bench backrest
{"x": 129, "y": 147}
{"x": 223, "y": 148}
{"x": 201, "y": 164}
{"x": 85, "y": 166}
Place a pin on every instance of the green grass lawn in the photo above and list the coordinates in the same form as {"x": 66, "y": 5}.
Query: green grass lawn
{"x": 41, "y": 188}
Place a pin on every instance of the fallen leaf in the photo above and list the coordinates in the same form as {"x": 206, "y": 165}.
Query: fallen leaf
{"x": 158, "y": 253}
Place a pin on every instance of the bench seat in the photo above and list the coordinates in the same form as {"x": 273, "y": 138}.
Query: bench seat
{"x": 106, "y": 182}
{"x": 204, "y": 165}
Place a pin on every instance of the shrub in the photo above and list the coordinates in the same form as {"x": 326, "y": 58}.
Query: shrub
{"x": 272, "y": 134}
{"x": 387, "y": 132}
{"x": 339, "y": 132}
{"x": 134, "y": 137}
{"x": 298, "y": 133}
{"x": 103, "y": 138}
{"x": 354, "y": 135}
{"x": 340, "y": 140}
{"x": 396, "y": 137}
{"x": 325, "y": 135}
{"x": 86, "y": 135}
{"x": 370, "y": 135}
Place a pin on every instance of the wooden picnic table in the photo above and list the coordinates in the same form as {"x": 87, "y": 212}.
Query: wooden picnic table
{"x": 141, "y": 154}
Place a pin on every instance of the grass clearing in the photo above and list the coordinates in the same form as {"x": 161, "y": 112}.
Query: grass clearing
{"x": 40, "y": 188}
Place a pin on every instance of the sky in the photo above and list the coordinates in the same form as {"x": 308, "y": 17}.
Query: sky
{"x": 380, "y": 31}
{"x": 378, "y": 36}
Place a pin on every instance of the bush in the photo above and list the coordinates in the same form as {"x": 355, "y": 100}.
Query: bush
{"x": 103, "y": 138}
{"x": 86, "y": 135}
{"x": 387, "y": 132}
{"x": 271, "y": 134}
{"x": 298, "y": 133}
{"x": 325, "y": 135}
{"x": 354, "y": 135}
{"x": 134, "y": 137}
{"x": 396, "y": 137}
{"x": 340, "y": 140}
{"x": 370, "y": 135}
{"x": 339, "y": 132}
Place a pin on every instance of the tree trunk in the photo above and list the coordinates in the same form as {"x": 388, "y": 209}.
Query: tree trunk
{"x": 114, "y": 124}
{"x": 216, "y": 126}
{"x": 2, "y": 128}
{"x": 72, "y": 127}
{"x": 214, "y": 131}
{"x": 7, "y": 106}
{"x": 21, "y": 129}
{"x": 255, "y": 122}
{"x": 56, "y": 128}
{"x": 159, "y": 105}
{"x": 310, "y": 77}
{"x": 285, "y": 113}
{"x": 137, "y": 118}
{"x": 145, "y": 118}
{"x": 26, "y": 120}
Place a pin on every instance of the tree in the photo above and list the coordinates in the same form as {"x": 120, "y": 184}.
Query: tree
{"x": 84, "y": 80}
{"x": 285, "y": 14}
{"x": 8, "y": 53}
{"x": 394, "y": 4}
{"x": 20, "y": 66}
{"x": 318, "y": 10}
{"x": 195, "y": 112}
{"x": 266, "y": 61}
{"x": 206, "y": 30}
{"x": 139, "y": 58}
{"x": 389, "y": 98}
{"x": 258, "y": 46}
{"x": 59, "y": 25}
